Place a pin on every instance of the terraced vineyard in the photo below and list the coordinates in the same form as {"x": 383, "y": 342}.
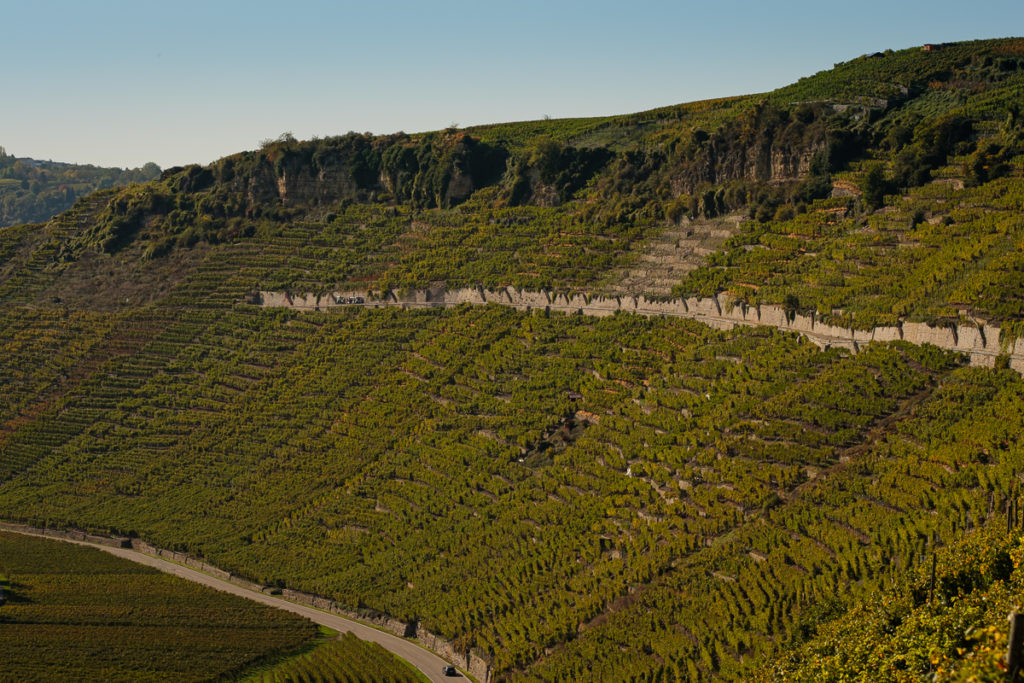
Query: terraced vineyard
{"x": 931, "y": 477}
{"x": 955, "y": 628}
{"x": 939, "y": 253}
{"x": 644, "y": 457}
{"x": 563, "y": 497}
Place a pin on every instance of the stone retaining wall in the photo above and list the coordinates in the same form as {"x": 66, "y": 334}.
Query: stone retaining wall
{"x": 472, "y": 662}
{"x": 180, "y": 558}
{"x": 74, "y": 535}
{"x": 981, "y": 341}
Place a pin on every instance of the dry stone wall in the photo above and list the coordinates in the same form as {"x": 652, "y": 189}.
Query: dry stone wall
{"x": 981, "y": 340}
{"x": 74, "y": 535}
{"x": 472, "y": 662}
{"x": 180, "y": 558}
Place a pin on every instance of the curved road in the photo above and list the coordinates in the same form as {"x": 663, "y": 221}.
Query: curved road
{"x": 424, "y": 660}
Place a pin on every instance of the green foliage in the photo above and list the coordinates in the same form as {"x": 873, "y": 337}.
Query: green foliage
{"x": 343, "y": 659}
{"x": 430, "y": 171}
{"x": 874, "y": 186}
{"x": 34, "y": 191}
{"x": 125, "y": 214}
{"x": 569, "y": 497}
{"x": 931, "y": 256}
{"x": 75, "y": 613}
{"x": 933, "y": 142}
{"x": 566, "y": 169}
{"x": 956, "y": 631}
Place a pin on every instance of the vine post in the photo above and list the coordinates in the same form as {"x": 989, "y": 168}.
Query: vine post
{"x": 1013, "y": 646}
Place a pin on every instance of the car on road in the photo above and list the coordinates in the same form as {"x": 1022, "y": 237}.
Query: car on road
{"x": 449, "y": 670}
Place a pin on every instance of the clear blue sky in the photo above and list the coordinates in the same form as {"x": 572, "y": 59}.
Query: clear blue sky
{"x": 120, "y": 83}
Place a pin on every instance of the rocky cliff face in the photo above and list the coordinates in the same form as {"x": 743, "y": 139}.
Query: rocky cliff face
{"x": 770, "y": 153}
{"x": 787, "y": 164}
{"x": 259, "y": 187}
{"x": 304, "y": 185}
{"x": 441, "y": 169}
{"x": 762, "y": 163}
{"x": 295, "y": 184}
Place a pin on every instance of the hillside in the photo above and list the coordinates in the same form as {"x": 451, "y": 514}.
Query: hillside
{"x": 955, "y": 628}
{"x": 557, "y": 496}
{"x": 33, "y": 191}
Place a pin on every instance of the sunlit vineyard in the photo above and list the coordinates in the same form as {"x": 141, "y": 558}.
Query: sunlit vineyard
{"x": 938, "y": 254}
{"x": 565, "y": 497}
{"x": 590, "y": 464}
{"x": 955, "y": 629}
{"x": 358, "y": 246}
{"x": 940, "y": 471}
{"x": 892, "y": 74}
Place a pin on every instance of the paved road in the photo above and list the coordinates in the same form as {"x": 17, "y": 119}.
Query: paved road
{"x": 424, "y": 660}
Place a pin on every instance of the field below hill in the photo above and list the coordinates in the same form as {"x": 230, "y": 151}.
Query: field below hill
{"x": 75, "y": 613}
